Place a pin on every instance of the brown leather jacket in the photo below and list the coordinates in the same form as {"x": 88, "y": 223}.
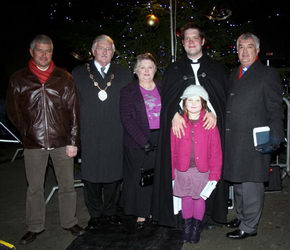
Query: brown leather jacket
{"x": 46, "y": 115}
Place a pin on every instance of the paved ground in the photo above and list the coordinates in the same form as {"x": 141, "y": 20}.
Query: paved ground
{"x": 274, "y": 230}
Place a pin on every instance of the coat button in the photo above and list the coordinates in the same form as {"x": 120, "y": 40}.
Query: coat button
{"x": 227, "y": 129}
{"x": 228, "y": 111}
{"x": 232, "y": 94}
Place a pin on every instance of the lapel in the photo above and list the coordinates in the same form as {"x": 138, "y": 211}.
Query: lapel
{"x": 186, "y": 69}
{"x": 139, "y": 101}
{"x": 95, "y": 72}
{"x": 250, "y": 72}
{"x": 110, "y": 73}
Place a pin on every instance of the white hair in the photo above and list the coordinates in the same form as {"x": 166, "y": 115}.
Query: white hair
{"x": 101, "y": 38}
{"x": 41, "y": 39}
{"x": 246, "y": 36}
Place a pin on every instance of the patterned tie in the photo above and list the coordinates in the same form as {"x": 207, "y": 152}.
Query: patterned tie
{"x": 103, "y": 72}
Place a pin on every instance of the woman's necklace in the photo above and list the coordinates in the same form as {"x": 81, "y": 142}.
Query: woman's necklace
{"x": 102, "y": 94}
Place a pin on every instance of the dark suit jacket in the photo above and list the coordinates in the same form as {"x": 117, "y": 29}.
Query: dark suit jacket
{"x": 133, "y": 116}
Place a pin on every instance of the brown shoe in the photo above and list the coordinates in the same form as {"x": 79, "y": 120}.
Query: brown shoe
{"x": 28, "y": 238}
{"x": 76, "y": 230}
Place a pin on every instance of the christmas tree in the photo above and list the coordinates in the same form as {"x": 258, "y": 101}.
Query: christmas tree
{"x": 145, "y": 26}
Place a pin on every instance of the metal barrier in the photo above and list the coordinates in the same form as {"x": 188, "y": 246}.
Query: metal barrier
{"x": 11, "y": 141}
{"x": 285, "y": 166}
{"x": 77, "y": 183}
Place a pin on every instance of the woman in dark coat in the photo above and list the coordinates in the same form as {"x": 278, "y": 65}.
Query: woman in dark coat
{"x": 140, "y": 106}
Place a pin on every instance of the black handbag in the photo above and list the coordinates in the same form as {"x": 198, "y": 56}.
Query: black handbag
{"x": 146, "y": 178}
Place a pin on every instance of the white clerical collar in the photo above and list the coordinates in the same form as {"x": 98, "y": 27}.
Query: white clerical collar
{"x": 195, "y": 60}
{"x": 195, "y": 67}
{"x": 99, "y": 66}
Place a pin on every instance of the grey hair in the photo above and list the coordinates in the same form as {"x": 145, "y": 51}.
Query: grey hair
{"x": 145, "y": 56}
{"x": 101, "y": 38}
{"x": 41, "y": 39}
{"x": 246, "y": 36}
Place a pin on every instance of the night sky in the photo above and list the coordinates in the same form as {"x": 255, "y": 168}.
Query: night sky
{"x": 22, "y": 21}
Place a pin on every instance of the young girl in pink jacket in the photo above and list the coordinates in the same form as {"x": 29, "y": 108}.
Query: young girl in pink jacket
{"x": 196, "y": 161}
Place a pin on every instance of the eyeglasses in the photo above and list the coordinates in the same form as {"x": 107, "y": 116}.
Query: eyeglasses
{"x": 104, "y": 49}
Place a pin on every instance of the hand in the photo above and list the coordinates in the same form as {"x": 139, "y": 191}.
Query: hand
{"x": 209, "y": 120}
{"x": 269, "y": 147}
{"x": 149, "y": 147}
{"x": 178, "y": 125}
{"x": 71, "y": 151}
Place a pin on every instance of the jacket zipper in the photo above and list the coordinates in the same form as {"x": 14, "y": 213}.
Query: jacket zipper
{"x": 45, "y": 118}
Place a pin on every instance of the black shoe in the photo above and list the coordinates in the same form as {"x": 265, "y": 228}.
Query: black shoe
{"x": 28, "y": 238}
{"x": 93, "y": 223}
{"x": 233, "y": 224}
{"x": 239, "y": 234}
{"x": 140, "y": 225}
{"x": 114, "y": 219}
{"x": 76, "y": 230}
{"x": 151, "y": 221}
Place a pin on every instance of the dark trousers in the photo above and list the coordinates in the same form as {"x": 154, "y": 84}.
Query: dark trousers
{"x": 101, "y": 198}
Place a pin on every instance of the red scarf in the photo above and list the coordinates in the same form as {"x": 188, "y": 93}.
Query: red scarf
{"x": 41, "y": 75}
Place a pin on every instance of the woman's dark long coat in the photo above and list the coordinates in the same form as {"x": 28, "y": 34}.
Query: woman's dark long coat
{"x": 135, "y": 199}
{"x": 255, "y": 100}
{"x": 177, "y": 77}
{"x": 101, "y": 129}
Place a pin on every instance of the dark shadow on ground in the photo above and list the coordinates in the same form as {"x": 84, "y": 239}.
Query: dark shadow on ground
{"x": 126, "y": 236}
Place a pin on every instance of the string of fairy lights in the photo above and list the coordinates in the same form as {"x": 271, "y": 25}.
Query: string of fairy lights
{"x": 155, "y": 14}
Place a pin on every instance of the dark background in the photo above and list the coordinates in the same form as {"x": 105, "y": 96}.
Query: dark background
{"x": 20, "y": 22}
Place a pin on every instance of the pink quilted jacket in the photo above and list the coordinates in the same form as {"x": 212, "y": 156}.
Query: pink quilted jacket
{"x": 207, "y": 148}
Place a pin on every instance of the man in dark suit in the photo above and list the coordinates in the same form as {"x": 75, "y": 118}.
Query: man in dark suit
{"x": 99, "y": 83}
{"x": 193, "y": 68}
{"x": 254, "y": 100}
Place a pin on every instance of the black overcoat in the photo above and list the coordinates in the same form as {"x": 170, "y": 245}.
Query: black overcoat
{"x": 255, "y": 100}
{"x": 178, "y": 76}
{"x": 101, "y": 129}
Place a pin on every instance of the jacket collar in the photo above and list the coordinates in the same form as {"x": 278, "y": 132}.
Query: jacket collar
{"x": 202, "y": 114}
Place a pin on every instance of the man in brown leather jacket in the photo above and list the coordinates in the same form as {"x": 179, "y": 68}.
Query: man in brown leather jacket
{"x": 43, "y": 105}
